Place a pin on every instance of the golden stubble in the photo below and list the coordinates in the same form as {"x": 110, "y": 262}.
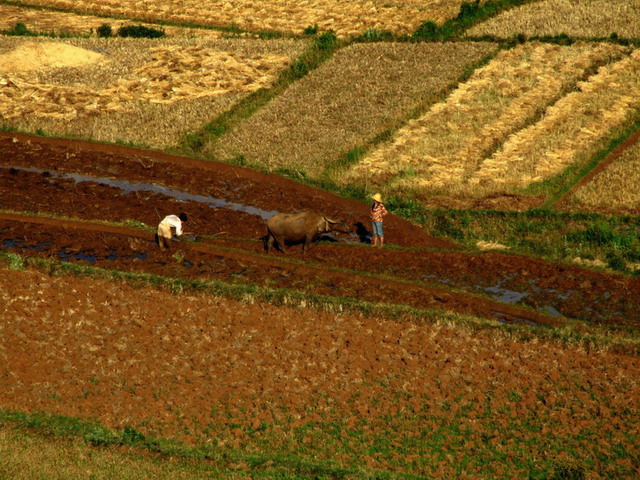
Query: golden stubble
{"x": 441, "y": 151}
{"x": 571, "y": 131}
{"x": 360, "y": 92}
{"x": 614, "y": 189}
{"x": 578, "y": 19}
{"x": 345, "y": 17}
{"x": 141, "y": 91}
{"x": 65, "y": 23}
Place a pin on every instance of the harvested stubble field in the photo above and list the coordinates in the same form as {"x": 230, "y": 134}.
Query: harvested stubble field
{"x": 44, "y": 21}
{"x": 345, "y": 17}
{"x": 557, "y": 107}
{"x": 440, "y": 151}
{"x": 361, "y": 92}
{"x": 612, "y": 189}
{"x": 147, "y": 92}
{"x": 571, "y": 132}
{"x": 578, "y": 19}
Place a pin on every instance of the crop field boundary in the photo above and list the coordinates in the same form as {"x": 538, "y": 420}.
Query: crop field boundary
{"x": 328, "y": 178}
{"x": 317, "y": 53}
{"x": 599, "y": 163}
{"x": 498, "y": 307}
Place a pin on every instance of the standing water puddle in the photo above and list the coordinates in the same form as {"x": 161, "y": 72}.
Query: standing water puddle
{"x": 129, "y": 187}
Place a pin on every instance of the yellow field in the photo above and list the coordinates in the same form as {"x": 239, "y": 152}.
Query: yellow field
{"x": 572, "y": 130}
{"x": 362, "y": 91}
{"x": 615, "y": 189}
{"x": 345, "y": 17}
{"x": 143, "y": 91}
{"x": 441, "y": 151}
{"x": 579, "y": 19}
{"x": 60, "y": 23}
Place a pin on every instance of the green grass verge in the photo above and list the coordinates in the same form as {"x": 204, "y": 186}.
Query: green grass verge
{"x": 575, "y": 333}
{"x": 320, "y": 50}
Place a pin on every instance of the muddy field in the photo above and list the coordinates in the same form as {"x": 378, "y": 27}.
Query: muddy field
{"x": 255, "y": 377}
{"x": 228, "y": 207}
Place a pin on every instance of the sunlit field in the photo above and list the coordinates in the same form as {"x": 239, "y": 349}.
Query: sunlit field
{"x": 614, "y": 189}
{"x": 42, "y": 21}
{"x": 364, "y": 90}
{"x": 442, "y": 151}
{"x": 345, "y": 17}
{"x": 148, "y": 92}
{"x": 579, "y": 19}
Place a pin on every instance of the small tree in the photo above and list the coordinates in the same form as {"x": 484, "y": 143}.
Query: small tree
{"x": 139, "y": 31}
{"x": 104, "y": 31}
{"x": 19, "y": 29}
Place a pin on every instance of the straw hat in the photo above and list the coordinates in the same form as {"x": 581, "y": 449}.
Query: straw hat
{"x": 377, "y": 197}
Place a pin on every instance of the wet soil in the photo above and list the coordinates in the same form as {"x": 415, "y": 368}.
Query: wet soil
{"x": 37, "y": 175}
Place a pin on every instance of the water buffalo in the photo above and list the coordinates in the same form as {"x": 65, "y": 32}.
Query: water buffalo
{"x": 290, "y": 228}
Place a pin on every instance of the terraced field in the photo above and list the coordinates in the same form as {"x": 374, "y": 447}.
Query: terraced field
{"x": 344, "y": 17}
{"x": 496, "y": 335}
{"x": 120, "y": 92}
{"x": 226, "y": 352}
{"x": 361, "y": 92}
{"x": 595, "y": 18}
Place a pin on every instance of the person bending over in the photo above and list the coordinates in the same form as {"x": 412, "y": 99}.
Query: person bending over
{"x": 165, "y": 226}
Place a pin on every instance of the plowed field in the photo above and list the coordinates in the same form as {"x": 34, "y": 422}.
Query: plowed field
{"x": 358, "y": 391}
{"x": 92, "y": 182}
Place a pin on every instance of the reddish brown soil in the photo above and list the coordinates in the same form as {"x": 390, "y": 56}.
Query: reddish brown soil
{"x": 416, "y": 277}
{"x": 246, "y": 375}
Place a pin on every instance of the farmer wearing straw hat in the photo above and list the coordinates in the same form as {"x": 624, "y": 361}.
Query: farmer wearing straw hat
{"x": 164, "y": 234}
{"x": 377, "y": 212}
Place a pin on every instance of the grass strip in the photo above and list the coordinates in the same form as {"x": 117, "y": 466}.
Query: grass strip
{"x": 572, "y": 176}
{"x": 96, "y": 435}
{"x": 590, "y": 337}
{"x": 320, "y": 50}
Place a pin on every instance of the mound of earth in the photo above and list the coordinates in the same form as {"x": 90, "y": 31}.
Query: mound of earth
{"x": 42, "y": 55}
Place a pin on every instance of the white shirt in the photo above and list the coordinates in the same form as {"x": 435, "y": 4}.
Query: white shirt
{"x": 173, "y": 221}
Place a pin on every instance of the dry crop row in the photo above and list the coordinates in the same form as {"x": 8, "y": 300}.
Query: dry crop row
{"x": 163, "y": 88}
{"x": 615, "y": 189}
{"x": 443, "y": 148}
{"x": 63, "y": 23}
{"x": 579, "y": 19}
{"x": 345, "y": 17}
{"x": 572, "y": 130}
{"x": 361, "y": 91}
